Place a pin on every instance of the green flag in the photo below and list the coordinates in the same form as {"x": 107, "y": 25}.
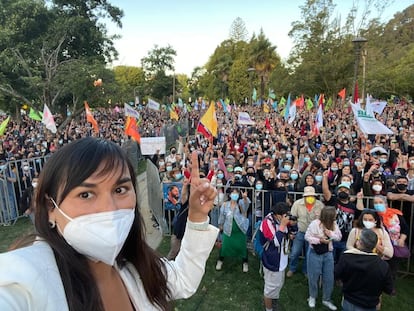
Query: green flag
{"x": 254, "y": 95}
{"x": 3, "y": 126}
{"x": 35, "y": 115}
{"x": 282, "y": 102}
{"x": 272, "y": 94}
{"x": 309, "y": 104}
{"x": 329, "y": 104}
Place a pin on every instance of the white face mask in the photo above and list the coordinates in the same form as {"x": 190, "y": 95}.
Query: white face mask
{"x": 368, "y": 224}
{"x": 99, "y": 236}
{"x": 377, "y": 188}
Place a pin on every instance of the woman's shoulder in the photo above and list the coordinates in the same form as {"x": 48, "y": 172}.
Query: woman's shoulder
{"x": 36, "y": 256}
{"x": 33, "y": 269}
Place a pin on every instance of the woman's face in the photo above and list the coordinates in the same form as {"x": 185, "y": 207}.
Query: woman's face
{"x": 379, "y": 201}
{"x": 368, "y": 217}
{"x": 98, "y": 193}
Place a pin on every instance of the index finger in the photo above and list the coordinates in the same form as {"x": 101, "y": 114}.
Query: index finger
{"x": 194, "y": 166}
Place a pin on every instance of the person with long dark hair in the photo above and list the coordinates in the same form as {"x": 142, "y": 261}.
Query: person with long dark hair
{"x": 89, "y": 252}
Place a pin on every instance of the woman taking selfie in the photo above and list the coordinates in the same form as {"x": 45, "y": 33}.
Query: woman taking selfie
{"x": 90, "y": 251}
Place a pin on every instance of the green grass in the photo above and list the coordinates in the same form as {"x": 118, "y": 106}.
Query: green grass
{"x": 231, "y": 289}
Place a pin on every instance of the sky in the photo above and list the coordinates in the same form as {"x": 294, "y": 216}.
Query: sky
{"x": 194, "y": 28}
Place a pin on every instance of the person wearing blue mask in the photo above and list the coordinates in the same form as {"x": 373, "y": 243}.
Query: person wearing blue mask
{"x": 233, "y": 224}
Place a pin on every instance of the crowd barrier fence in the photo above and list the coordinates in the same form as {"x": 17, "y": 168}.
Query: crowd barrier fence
{"x": 263, "y": 200}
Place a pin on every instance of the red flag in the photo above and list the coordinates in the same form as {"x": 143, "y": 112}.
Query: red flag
{"x": 342, "y": 93}
{"x": 267, "y": 124}
{"x": 202, "y": 129}
{"x": 131, "y": 129}
{"x": 90, "y": 118}
{"x": 356, "y": 96}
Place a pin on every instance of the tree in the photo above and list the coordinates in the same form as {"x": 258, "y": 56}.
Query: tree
{"x": 130, "y": 81}
{"x": 39, "y": 40}
{"x": 159, "y": 59}
{"x": 238, "y": 31}
{"x": 263, "y": 58}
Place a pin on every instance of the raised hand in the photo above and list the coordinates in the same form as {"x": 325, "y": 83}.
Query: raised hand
{"x": 202, "y": 194}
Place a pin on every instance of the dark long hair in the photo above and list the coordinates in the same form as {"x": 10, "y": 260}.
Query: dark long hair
{"x": 64, "y": 171}
{"x": 374, "y": 214}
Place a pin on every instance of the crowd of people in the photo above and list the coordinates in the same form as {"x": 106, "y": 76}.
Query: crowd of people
{"x": 328, "y": 179}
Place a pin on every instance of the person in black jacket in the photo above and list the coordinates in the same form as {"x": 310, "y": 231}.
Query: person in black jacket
{"x": 364, "y": 274}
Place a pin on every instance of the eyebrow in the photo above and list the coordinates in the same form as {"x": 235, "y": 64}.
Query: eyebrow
{"x": 119, "y": 182}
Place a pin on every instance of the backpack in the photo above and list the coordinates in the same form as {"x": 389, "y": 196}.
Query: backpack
{"x": 257, "y": 240}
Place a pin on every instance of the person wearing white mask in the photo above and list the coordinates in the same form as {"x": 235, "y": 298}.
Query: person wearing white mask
{"x": 89, "y": 252}
{"x": 370, "y": 219}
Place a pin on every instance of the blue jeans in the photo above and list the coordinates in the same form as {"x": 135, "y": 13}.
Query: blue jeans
{"x": 296, "y": 251}
{"x": 320, "y": 265}
{"x": 347, "y": 306}
{"x": 338, "y": 249}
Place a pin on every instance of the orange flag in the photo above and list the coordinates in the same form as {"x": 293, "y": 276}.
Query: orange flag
{"x": 342, "y": 94}
{"x": 90, "y": 118}
{"x": 131, "y": 129}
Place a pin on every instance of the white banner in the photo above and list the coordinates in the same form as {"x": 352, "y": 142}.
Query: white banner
{"x": 129, "y": 111}
{"x": 244, "y": 119}
{"x": 368, "y": 124}
{"x": 150, "y": 145}
{"x": 152, "y": 104}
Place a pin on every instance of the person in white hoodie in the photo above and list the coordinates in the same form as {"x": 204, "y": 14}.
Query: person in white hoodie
{"x": 89, "y": 252}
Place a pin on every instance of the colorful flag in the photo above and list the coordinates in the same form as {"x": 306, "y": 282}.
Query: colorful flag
{"x": 329, "y": 104}
{"x": 90, "y": 118}
{"x": 35, "y": 115}
{"x": 292, "y": 114}
{"x": 266, "y": 108}
{"x": 267, "y": 124}
{"x": 342, "y": 93}
{"x": 287, "y": 108}
{"x": 152, "y": 104}
{"x": 129, "y": 111}
{"x": 47, "y": 120}
{"x": 224, "y": 105}
{"x": 274, "y": 105}
{"x": 3, "y": 125}
{"x": 272, "y": 94}
{"x": 131, "y": 129}
{"x": 208, "y": 122}
{"x": 173, "y": 114}
{"x": 319, "y": 117}
{"x": 254, "y": 95}
{"x": 309, "y": 104}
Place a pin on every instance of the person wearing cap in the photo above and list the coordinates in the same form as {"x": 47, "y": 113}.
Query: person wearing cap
{"x": 306, "y": 210}
{"x": 364, "y": 274}
{"x": 346, "y": 209}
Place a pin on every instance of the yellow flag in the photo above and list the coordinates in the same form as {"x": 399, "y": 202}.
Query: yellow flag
{"x": 3, "y": 126}
{"x": 266, "y": 108}
{"x": 173, "y": 115}
{"x": 209, "y": 119}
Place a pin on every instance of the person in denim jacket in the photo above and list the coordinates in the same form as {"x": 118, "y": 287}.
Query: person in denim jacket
{"x": 233, "y": 223}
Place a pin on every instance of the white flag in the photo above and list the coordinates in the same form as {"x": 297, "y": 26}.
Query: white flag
{"x": 152, "y": 104}
{"x": 129, "y": 111}
{"x": 48, "y": 120}
{"x": 292, "y": 113}
{"x": 244, "y": 119}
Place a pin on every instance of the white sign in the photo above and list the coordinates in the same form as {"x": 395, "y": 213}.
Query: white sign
{"x": 244, "y": 119}
{"x": 150, "y": 145}
{"x": 368, "y": 124}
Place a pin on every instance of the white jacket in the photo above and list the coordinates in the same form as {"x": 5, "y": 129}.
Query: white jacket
{"x": 30, "y": 279}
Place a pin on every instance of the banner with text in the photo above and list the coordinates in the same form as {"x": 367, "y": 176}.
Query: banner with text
{"x": 244, "y": 119}
{"x": 150, "y": 145}
{"x": 368, "y": 124}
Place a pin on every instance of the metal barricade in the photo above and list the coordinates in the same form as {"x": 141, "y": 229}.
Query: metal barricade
{"x": 15, "y": 177}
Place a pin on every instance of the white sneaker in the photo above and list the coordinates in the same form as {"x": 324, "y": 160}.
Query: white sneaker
{"x": 311, "y": 302}
{"x": 329, "y": 305}
{"x": 219, "y": 265}
{"x": 245, "y": 267}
